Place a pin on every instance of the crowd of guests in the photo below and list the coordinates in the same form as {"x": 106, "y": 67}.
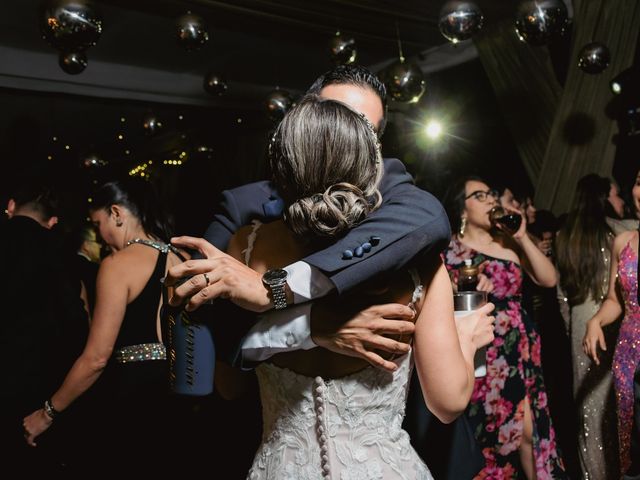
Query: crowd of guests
{"x": 86, "y": 347}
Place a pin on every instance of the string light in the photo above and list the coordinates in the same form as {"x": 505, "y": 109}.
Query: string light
{"x": 140, "y": 170}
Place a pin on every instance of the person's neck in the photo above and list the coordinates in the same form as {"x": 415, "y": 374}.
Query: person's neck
{"x": 133, "y": 234}
{"x": 477, "y": 236}
{"x": 33, "y": 216}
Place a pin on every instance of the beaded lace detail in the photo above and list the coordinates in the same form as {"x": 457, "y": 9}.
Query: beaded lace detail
{"x": 347, "y": 428}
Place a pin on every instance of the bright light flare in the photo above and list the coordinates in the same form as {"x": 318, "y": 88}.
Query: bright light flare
{"x": 433, "y": 129}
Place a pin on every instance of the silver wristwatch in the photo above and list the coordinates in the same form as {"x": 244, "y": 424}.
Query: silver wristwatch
{"x": 276, "y": 280}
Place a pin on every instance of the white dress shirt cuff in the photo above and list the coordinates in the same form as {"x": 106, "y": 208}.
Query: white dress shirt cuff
{"x": 279, "y": 331}
{"x": 307, "y": 282}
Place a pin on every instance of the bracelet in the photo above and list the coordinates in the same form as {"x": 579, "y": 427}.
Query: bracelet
{"x": 49, "y": 410}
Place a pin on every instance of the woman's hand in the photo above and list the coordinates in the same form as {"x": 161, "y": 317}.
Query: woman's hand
{"x": 592, "y": 338}
{"x": 35, "y": 424}
{"x": 477, "y": 327}
{"x": 484, "y": 283}
{"x": 522, "y": 231}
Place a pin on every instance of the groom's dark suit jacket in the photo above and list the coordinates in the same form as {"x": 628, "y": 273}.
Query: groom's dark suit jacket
{"x": 409, "y": 221}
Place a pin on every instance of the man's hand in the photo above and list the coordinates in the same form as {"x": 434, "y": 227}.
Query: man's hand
{"x": 217, "y": 275}
{"x": 365, "y": 333}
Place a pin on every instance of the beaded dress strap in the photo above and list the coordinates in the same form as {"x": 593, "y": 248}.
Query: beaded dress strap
{"x": 160, "y": 246}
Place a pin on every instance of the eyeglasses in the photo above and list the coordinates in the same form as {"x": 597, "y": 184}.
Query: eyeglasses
{"x": 482, "y": 196}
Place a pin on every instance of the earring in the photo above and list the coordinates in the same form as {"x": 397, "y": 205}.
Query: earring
{"x": 118, "y": 222}
{"x": 463, "y": 225}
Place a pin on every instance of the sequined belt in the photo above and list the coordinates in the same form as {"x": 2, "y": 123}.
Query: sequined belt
{"x": 140, "y": 353}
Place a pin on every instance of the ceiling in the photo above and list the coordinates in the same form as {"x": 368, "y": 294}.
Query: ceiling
{"x": 256, "y": 44}
{"x": 53, "y": 120}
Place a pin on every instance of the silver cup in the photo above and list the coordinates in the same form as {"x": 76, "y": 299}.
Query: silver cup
{"x": 465, "y": 303}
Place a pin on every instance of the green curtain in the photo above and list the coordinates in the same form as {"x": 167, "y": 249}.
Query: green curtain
{"x": 524, "y": 82}
{"x": 581, "y": 138}
{"x": 561, "y": 133}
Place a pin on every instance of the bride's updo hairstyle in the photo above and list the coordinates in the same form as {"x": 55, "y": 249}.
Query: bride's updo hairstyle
{"x": 326, "y": 164}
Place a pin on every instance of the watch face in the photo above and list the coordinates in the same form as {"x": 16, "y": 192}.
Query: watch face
{"x": 275, "y": 276}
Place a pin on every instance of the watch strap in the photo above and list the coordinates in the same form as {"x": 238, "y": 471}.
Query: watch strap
{"x": 279, "y": 296}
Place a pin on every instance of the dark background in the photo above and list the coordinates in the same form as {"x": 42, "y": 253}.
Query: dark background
{"x": 137, "y": 69}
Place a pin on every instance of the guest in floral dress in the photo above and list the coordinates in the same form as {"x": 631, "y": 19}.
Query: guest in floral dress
{"x": 508, "y": 409}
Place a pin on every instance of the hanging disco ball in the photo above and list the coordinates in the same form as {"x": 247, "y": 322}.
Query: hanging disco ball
{"x": 215, "y": 84}
{"x": 73, "y": 63}
{"x": 343, "y": 50}
{"x": 594, "y": 58}
{"x": 151, "y": 124}
{"x": 71, "y": 25}
{"x": 460, "y": 20}
{"x": 277, "y": 103}
{"x": 405, "y": 82}
{"x": 192, "y": 32}
{"x": 537, "y": 21}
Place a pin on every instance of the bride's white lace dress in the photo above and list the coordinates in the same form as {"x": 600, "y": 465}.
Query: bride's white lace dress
{"x": 348, "y": 428}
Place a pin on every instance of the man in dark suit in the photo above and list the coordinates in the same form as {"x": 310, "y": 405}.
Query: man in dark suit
{"x": 409, "y": 221}
{"x": 41, "y": 337}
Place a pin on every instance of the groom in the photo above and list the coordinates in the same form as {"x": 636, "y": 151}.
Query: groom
{"x": 409, "y": 221}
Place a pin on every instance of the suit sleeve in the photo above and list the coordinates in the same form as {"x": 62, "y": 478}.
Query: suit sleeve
{"x": 226, "y": 221}
{"x": 408, "y": 222}
{"x": 228, "y": 323}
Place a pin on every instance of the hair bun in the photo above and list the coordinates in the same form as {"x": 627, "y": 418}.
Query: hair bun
{"x": 336, "y": 210}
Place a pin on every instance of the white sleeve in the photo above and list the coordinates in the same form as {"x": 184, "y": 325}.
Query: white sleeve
{"x": 307, "y": 282}
{"x": 279, "y": 331}
{"x": 289, "y": 329}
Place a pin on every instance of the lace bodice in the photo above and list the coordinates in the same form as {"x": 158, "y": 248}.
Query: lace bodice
{"x": 347, "y": 428}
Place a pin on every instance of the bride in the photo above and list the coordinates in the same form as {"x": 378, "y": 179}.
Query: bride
{"x": 331, "y": 416}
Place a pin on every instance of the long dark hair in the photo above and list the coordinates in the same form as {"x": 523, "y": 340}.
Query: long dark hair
{"x": 141, "y": 199}
{"x": 581, "y": 240}
{"x": 454, "y": 200}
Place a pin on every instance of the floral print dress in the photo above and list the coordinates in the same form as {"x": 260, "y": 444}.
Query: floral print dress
{"x": 514, "y": 373}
